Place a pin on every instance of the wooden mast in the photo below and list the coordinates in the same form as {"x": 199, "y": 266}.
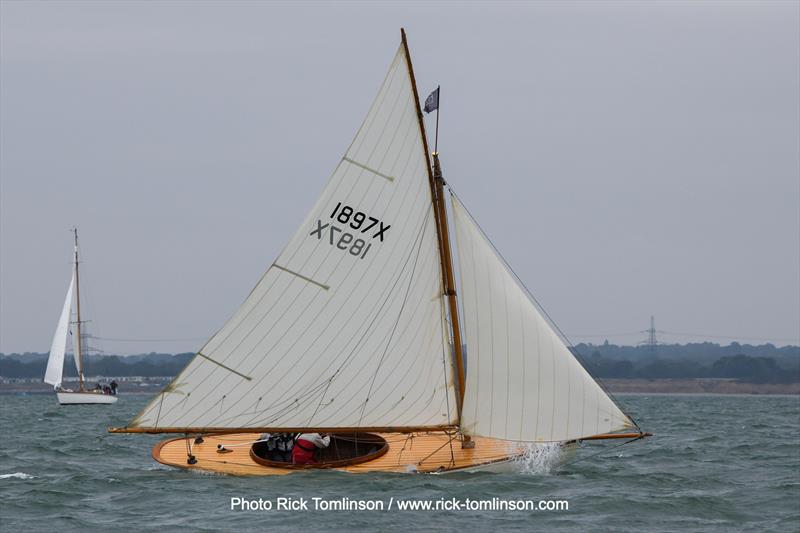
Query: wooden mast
{"x": 440, "y": 212}
{"x": 78, "y": 311}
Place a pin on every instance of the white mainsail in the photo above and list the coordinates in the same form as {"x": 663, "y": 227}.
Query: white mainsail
{"x": 55, "y": 363}
{"x": 347, "y": 327}
{"x": 523, "y": 383}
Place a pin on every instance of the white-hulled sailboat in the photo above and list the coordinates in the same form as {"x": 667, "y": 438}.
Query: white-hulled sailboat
{"x": 355, "y": 330}
{"x": 55, "y": 363}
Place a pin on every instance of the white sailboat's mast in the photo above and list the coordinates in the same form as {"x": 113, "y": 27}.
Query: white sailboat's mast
{"x": 78, "y": 313}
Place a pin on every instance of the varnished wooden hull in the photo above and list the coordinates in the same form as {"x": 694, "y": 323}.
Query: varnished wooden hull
{"x": 418, "y": 452}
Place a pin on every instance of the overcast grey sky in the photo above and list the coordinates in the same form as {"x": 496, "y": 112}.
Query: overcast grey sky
{"x": 628, "y": 159}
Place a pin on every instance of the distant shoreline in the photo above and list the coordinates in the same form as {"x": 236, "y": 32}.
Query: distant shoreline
{"x": 638, "y": 386}
{"x": 699, "y": 386}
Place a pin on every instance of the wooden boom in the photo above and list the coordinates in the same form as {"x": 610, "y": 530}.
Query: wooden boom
{"x": 224, "y": 430}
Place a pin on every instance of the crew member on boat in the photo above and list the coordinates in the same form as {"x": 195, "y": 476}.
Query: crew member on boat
{"x": 305, "y": 446}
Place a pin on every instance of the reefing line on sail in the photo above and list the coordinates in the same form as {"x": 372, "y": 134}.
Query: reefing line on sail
{"x": 317, "y": 283}
{"x": 229, "y": 369}
{"x": 365, "y": 167}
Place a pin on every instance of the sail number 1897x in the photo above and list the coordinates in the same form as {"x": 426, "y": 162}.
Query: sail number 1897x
{"x": 358, "y": 222}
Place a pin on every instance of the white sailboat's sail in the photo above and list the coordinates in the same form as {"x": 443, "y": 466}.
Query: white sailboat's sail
{"x": 55, "y": 363}
{"x": 346, "y": 328}
{"x": 523, "y": 383}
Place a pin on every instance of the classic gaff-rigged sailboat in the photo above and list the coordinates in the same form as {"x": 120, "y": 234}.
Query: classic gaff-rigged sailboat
{"x": 355, "y": 330}
{"x": 55, "y": 363}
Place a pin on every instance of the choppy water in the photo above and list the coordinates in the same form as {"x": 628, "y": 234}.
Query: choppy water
{"x": 717, "y": 463}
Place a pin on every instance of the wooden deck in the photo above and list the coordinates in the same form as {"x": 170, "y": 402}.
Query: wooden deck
{"x": 416, "y": 452}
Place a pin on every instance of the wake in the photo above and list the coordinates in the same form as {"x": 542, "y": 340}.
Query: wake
{"x": 539, "y": 458}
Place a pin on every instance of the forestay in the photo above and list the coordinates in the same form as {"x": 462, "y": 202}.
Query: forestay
{"x": 346, "y": 328}
{"x": 55, "y": 363}
{"x": 523, "y": 383}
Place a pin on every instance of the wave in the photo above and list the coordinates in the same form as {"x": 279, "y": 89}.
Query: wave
{"x": 17, "y": 475}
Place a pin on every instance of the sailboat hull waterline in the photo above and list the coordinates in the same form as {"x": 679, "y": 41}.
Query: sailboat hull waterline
{"x": 355, "y": 331}
{"x": 406, "y": 453}
{"x": 84, "y": 398}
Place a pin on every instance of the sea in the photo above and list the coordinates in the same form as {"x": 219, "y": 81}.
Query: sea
{"x": 715, "y": 463}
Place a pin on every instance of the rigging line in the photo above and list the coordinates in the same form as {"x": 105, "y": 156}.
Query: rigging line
{"x": 397, "y": 320}
{"x": 452, "y": 453}
{"x": 326, "y": 382}
{"x": 446, "y": 388}
{"x": 445, "y": 342}
{"x": 116, "y": 339}
{"x": 274, "y": 412}
{"x": 342, "y": 366}
{"x": 452, "y": 437}
{"x": 357, "y": 344}
{"x": 347, "y": 401}
{"x": 383, "y": 304}
{"x": 246, "y": 443}
{"x": 266, "y": 412}
{"x": 160, "y": 403}
{"x": 421, "y": 349}
{"x": 302, "y": 401}
{"x": 568, "y": 342}
{"x": 604, "y": 450}
{"x": 422, "y": 353}
{"x": 430, "y": 398}
{"x": 418, "y": 363}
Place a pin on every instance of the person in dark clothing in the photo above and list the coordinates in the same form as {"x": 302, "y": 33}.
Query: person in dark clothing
{"x": 113, "y": 385}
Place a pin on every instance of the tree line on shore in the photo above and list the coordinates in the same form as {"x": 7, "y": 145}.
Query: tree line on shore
{"x": 764, "y": 363}
{"x": 756, "y": 364}
{"x": 33, "y": 365}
